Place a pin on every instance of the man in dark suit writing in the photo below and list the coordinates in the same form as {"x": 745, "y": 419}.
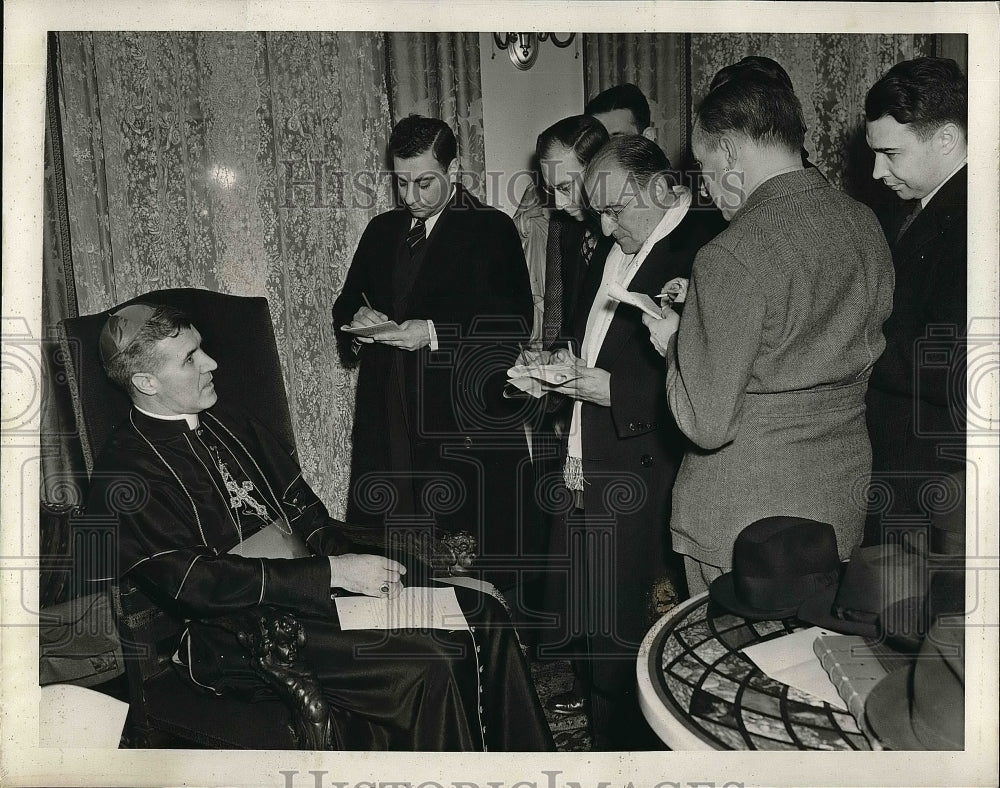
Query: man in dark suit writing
{"x": 434, "y": 440}
{"x": 917, "y": 127}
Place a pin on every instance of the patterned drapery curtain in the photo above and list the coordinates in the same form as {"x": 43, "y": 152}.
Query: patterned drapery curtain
{"x": 61, "y": 460}
{"x": 247, "y": 163}
{"x": 438, "y": 75}
{"x": 653, "y": 61}
{"x": 831, "y": 74}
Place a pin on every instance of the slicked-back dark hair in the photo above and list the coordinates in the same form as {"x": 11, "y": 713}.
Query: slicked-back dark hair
{"x": 141, "y": 355}
{"x": 761, "y": 108}
{"x": 643, "y": 159}
{"x": 582, "y": 134}
{"x": 625, "y": 96}
{"x": 927, "y": 93}
{"x": 752, "y": 66}
{"x": 416, "y": 134}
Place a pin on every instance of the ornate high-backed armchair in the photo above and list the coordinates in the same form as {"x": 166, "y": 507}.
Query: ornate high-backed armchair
{"x": 238, "y": 333}
{"x": 165, "y": 707}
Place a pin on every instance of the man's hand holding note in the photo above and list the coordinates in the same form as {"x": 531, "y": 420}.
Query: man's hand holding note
{"x": 640, "y": 301}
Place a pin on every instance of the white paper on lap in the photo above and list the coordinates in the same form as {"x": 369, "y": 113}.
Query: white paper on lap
{"x": 416, "y": 608}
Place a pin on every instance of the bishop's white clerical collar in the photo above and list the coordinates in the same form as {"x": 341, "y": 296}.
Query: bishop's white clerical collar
{"x": 191, "y": 418}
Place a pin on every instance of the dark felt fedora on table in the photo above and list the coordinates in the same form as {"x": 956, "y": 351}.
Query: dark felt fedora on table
{"x": 881, "y": 592}
{"x": 778, "y": 563}
{"x": 922, "y": 706}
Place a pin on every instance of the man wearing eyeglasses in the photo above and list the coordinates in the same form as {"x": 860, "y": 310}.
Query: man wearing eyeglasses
{"x": 623, "y": 448}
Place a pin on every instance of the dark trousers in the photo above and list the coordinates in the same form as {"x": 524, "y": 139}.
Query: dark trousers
{"x": 603, "y": 618}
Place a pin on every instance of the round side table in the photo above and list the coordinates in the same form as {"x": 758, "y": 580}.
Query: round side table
{"x": 699, "y": 692}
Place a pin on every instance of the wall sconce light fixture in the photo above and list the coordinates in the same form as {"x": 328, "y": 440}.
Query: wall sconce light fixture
{"x": 523, "y": 47}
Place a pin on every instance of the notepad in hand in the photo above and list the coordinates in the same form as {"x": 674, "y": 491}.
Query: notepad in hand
{"x": 553, "y": 374}
{"x": 638, "y": 300}
{"x": 372, "y": 331}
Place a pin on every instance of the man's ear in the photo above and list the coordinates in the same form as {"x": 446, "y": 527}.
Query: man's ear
{"x": 649, "y": 133}
{"x": 948, "y": 137}
{"x": 662, "y": 194}
{"x": 453, "y": 170}
{"x": 146, "y": 383}
{"x": 730, "y": 149}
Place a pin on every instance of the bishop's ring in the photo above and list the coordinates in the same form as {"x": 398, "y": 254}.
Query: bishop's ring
{"x": 384, "y": 589}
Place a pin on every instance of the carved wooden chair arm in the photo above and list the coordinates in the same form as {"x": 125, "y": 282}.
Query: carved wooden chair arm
{"x": 275, "y": 640}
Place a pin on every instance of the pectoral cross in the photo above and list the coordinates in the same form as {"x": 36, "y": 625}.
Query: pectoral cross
{"x": 240, "y": 494}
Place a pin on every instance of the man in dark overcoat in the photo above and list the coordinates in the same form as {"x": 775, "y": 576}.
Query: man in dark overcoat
{"x": 917, "y": 121}
{"x": 435, "y": 442}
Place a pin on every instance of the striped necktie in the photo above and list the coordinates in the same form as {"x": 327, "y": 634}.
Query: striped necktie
{"x": 908, "y": 221}
{"x": 416, "y": 236}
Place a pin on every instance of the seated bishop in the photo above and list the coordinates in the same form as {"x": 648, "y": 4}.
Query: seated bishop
{"x": 226, "y": 525}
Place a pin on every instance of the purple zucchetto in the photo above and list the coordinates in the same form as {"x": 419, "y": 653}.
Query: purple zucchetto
{"x": 121, "y": 329}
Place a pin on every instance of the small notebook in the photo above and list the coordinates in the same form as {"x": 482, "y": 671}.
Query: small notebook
{"x": 640, "y": 301}
{"x": 855, "y": 666}
{"x": 372, "y": 331}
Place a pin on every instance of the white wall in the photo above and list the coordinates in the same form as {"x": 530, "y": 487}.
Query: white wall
{"x": 519, "y": 104}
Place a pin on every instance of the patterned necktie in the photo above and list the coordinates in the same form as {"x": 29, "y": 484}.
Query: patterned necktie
{"x": 908, "y": 221}
{"x": 416, "y": 236}
{"x": 552, "y": 307}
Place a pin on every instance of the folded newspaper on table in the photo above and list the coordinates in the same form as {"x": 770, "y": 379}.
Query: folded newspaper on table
{"x": 417, "y": 607}
{"x": 530, "y": 377}
{"x": 372, "y": 331}
{"x": 791, "y": 660}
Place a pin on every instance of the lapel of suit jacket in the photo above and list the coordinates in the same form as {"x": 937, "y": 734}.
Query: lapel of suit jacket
{"x": 381, "y": 286}
{"x": 428, "y": 264}
{"x": 945, "y": 208}
{"x": 589, "y": 283}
